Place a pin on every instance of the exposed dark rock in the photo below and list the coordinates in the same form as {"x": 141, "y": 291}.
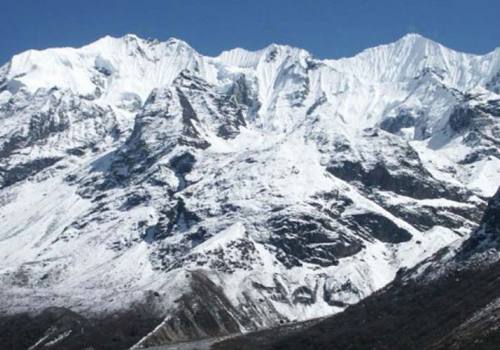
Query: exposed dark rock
{"x": 461, "y": 119}
{"x": 23, "y": 171}
{"x": 177, "y": 217}
{"x": 188, "y": 116}
{"x": 491, "y": 107}
{"x": 316, "y": 104}
{"x": 380, "y": 227}
{"x": 472, "y": 118}
{"x": 271, "y": 55}
{"x": 309, "y": 239}
{"x": 418, "y": 183}
{"x": 76, "y": 151}
{"x": 240, "y": 93}
{"x": 182, "y": 165}
{"x": 239, "y": 254}
{"x": 329, "y": 294}
{"x": 304, "y": 295}
{"x": 135, "y": 199}
{"x": 488, "y": 234}
{"x": 395, "y": 124}
{"x": 426, "y": 217}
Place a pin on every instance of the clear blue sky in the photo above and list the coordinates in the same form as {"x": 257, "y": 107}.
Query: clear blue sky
{"x": 332, "y": 28}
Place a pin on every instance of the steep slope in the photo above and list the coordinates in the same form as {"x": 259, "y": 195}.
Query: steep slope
{"x": 271, "y": 185}
{"x": 449, "y": 301}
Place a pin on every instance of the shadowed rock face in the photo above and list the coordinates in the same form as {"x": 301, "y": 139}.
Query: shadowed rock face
{"x": 406, "y": 176}
{"x": 48, "y": 117}
{"x": 491, "y": 219}
{"x": 203, "y": 313}
{"x": 395, "y": 124}
{"x": 381, "y": 228}
{"x": 461, "y": 119}
{"x": 478, "y": 125}
{"x": 63, "y": 329}
{"x": 309, "y": 239}
{"x": 409, "y": 184}
{"x": 23, "y": 171}
{"x": 488, "y": 236}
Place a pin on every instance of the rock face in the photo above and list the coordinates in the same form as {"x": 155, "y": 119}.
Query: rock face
{"x": 236, "y": 192}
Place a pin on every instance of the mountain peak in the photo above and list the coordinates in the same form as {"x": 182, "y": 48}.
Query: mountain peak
{"x": 133, "y": 41}
{"x": 414, "y": 37}
{"x": 130, "y": 36}
{"x": 417, "y": 40}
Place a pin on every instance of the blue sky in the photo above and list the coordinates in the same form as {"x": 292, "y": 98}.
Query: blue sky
{"x": 325, "y": 28}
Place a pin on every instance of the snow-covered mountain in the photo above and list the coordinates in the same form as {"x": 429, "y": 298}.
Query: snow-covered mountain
{"x": 236, "y": 192}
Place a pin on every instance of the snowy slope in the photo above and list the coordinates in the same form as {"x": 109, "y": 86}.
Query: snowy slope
{"x": 283, "y": 186}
